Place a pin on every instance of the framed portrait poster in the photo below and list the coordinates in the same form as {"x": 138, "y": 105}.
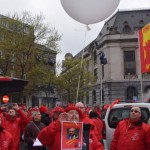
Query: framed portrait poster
{"x": 71, "y": 135}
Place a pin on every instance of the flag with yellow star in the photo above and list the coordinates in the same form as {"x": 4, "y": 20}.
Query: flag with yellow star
{"x": 144, "y": 44}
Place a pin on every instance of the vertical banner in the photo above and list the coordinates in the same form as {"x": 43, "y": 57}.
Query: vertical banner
{"x": 144, "y": 44}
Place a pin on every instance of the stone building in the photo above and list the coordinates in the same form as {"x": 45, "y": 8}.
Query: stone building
{"x": 120, "y": 78}
{"x": 39, "y": 97}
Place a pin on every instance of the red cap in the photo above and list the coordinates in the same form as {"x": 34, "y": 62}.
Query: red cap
{"x": 58, "y": 109}
{"x": 72, "y": 107}
{"x": 43, "y": 109}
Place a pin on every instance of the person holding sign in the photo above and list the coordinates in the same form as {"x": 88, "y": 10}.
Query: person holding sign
{"x": 51, "y": 135}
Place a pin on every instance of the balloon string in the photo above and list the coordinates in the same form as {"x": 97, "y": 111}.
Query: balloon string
{"x": 87, "y": 29}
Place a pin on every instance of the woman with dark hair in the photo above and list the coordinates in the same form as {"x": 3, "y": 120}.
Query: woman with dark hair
{"x": 132, "y": 133}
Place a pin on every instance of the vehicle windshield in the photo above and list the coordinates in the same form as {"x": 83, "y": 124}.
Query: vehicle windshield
{"x": 119, "y": 114}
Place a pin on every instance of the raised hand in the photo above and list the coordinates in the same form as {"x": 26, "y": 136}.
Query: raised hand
{"x": 63, "y": 117}
{"x": 15, "y": 106}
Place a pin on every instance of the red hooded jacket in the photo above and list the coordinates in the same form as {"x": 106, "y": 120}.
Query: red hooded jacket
{"x": 13, "y": 126}
{"x": 129, "y": 137}
{"x": 6, "y": 140}
{"x": 98, "y": 126}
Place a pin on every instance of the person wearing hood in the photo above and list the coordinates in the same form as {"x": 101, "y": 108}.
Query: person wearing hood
{"x": 71, "y": 113}
{"x": 132, "y": 133}
{"x": 6, "y": 140}
{"x": 14, "y": 119}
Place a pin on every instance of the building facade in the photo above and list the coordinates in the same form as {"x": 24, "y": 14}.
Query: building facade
{"x": 120, "y": 78}
{"x": 19, "y": 53}
{"x": 39, "y": 97}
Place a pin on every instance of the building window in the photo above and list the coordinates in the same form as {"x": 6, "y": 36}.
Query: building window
{"x": 87, "y": 65}
{"x": 146, "y": 94}
{"x": 131, "y": 93}
{"x": 94, "y": 97}
{"x": 129, "y": 63}
{"x": 95, "y": 57}
{"x": 96, "y": 73}
{"x": 141, "y": 22}
{"x": 126, "y": 29}
{"x": 125, "y": 23}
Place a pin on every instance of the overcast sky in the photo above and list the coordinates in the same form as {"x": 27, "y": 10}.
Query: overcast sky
{"x": 73, "y": 39}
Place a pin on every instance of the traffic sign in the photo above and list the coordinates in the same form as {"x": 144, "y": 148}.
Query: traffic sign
{"x": 5, "y": 99}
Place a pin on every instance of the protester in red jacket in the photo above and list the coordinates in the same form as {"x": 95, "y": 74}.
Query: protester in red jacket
{"x": 86, "y": 120}
{"x": 13, "y": 121}
{"x": 54, "y": 131}
{"x": 98, "y": 124}
{"x": 132, "y": 133}
{"x": 6, "y": 140}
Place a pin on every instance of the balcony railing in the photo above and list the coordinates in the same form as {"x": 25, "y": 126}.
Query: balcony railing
{"x": 146, "y": 76}
{"x": 131, "y": 76}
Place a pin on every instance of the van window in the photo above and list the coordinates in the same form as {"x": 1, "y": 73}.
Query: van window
{"x": 119, "y": 114}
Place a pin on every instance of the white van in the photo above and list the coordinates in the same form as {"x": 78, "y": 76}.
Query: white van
{"x": 118, "y": 113}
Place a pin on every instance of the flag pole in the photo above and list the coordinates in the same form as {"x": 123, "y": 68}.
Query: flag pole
{"x": 141, "y": 79}
{"x": 101, "y": 78}
{"x": 102, "y": 61}
{"x": 141, "y": 87}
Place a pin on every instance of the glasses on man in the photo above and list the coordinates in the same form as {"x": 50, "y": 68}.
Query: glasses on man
{"x": 38, "y": 114}
{"x": 134, "y": 110}
{"x": 80, "y": 107}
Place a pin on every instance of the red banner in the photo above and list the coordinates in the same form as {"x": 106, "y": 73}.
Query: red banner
{"x": 144, "y": 43}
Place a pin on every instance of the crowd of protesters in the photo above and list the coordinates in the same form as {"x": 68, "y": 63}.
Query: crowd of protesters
{"x": 19, "y": 124}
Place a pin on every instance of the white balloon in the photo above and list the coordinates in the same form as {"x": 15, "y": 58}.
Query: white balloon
{"x": 89, "y": 11}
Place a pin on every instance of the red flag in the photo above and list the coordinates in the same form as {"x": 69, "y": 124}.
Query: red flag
{"x": 144, "y": 43}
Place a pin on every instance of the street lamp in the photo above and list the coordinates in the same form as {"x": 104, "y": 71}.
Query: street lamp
{"x": 102, "y": 62}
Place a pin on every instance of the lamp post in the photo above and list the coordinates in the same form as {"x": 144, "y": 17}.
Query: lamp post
{"x": 103, "y": 61}
{"x": 101, "y": 90}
